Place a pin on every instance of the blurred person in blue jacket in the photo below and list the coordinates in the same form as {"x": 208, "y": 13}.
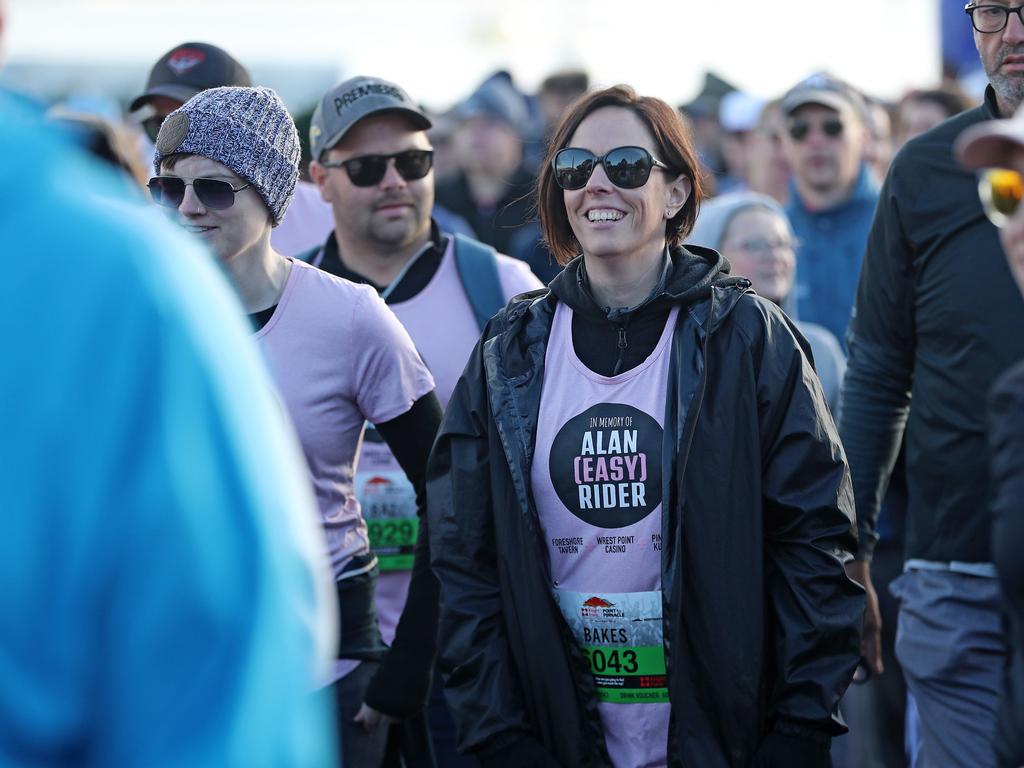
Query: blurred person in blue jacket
{"x": 832, "y": 198}
{"x": 165, "y": 599}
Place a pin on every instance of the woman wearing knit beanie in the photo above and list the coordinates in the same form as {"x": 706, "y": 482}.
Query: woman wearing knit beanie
{"x": 753, "y": 233}
{"x": 228, "y": 164}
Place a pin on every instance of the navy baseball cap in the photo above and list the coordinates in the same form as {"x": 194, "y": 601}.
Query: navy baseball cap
{"x": 346, "y": 104}
{"x": 189, "y": 68}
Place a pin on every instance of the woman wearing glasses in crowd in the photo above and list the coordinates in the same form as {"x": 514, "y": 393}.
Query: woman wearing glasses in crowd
{"x": 640, "y": 507}
{"x": 753, "y": 233}
{"x": 228, "y": 165}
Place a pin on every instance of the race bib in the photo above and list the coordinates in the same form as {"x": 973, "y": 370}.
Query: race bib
{"x": 621, "y": 636}
{"x": 388, "y": 502}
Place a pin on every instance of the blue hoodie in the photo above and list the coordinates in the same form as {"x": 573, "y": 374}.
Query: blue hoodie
{"x": 829, "y": 253}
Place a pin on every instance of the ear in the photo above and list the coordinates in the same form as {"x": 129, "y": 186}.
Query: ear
{"x": 676, "y": 195}
{"x": 319, "y": 176}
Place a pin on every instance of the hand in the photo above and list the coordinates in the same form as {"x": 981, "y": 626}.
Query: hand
{"x": 871, "y": 637}
{"x": 371, "y": 718}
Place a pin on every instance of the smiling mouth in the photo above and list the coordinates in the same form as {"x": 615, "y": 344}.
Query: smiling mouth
{"x": 197, "y": 229}
{"x": 604, "y": 214}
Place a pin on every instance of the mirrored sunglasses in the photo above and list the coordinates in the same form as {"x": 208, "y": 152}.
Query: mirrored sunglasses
{"x": 625, "y": 167}
{"x": 1000, "y": 190}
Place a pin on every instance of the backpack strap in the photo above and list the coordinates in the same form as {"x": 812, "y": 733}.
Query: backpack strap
{"x": 478, "y": 271}
{"x": 313, "y": 256}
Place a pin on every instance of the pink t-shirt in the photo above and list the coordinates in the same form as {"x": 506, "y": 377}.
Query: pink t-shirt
{"x": 597, "y": 483}
{"x": 441, "y": 322}
{"x": 339, "y": 357}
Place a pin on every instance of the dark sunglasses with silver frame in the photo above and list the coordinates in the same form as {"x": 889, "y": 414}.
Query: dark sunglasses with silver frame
{"x": 215, "y": 194}
{"x": 368, "y": 170}
{"x": 626, "y": 167}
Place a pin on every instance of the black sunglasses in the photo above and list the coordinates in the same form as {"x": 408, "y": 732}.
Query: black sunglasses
{"x": 799, "y": 129}
{"x": 625, "y": 167}
{"x": 367, "y": 170}
{"x": 212, "y": 193}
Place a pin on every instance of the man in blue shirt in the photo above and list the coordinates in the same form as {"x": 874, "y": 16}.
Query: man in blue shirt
{"x": 163, "y": 598}
{"x": 832, "y": 197}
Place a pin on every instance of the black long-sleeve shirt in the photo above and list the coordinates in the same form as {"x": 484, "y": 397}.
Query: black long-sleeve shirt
{"x": 936, "y": 320}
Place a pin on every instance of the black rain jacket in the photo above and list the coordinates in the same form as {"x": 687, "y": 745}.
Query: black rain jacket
{"x": 761, "y": 624}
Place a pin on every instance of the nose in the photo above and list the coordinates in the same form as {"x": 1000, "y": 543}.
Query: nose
{"x": 1014, "y": 31}
{"x": 598, "y": 181}
{"x": 191, "y": 205}
{"x": 392, "y": 178}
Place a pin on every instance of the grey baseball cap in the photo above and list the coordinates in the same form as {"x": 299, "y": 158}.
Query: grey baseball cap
{"x": 346, "y": 104}
{"x": 825, "y": 90}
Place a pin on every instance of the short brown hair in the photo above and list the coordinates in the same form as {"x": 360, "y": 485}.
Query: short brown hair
{"x": 675, "y": 149}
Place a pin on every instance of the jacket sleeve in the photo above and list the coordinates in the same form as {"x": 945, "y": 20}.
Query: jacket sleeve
{"x": 474, "y": 658}
{"x": 402, "y": 682}
{"x": 876, "y": 388}
{"x": 815, "y": 611}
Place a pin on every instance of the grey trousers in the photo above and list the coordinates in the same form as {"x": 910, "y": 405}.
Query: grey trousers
{"x": 951, "y": 645}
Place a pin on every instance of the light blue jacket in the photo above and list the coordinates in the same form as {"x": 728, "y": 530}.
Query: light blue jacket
{"x": 158, "y": 601}
{"x": 829, "y": 253}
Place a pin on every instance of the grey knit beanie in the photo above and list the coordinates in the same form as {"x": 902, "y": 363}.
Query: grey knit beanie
{"x": 246, "y": 129}
{"x": 717, "y": 213}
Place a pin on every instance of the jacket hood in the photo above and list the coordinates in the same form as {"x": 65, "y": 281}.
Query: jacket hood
{"x": 689, "y": 274}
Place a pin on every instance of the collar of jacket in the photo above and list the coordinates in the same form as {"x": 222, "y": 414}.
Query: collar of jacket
{"x": 687, "y": 277}
{"x": 990, "y": 105}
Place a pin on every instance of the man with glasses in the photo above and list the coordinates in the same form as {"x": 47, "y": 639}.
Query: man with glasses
{"x": 937, "y": 320}
{"x": 373, "y": 163}
{"x": 189, "y": 68}
{"x": 832, "y": 196}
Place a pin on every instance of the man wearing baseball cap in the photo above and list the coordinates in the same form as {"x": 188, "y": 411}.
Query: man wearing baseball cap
{"x": 180, "y": 74}
{"x": 189, "y": 68}
{"x": 372, "y": 161}
{"x": 493, "y": 188}
{"x": 997, "y": 149}
{"x": 937, "y": 321}
{"x": 832, "y": 196}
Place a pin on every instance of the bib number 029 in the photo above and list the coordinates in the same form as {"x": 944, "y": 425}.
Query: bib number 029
{"x": 391, "y": 533}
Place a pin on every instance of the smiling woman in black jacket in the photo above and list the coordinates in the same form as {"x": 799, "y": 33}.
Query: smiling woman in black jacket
{"x": 640, "y": 507}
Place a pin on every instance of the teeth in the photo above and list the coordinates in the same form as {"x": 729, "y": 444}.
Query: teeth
{"x": 196, "y": 228}
{"x": 604, "y": 215}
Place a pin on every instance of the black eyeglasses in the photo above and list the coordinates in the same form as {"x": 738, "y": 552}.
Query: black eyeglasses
{"x": 992, "y": 18}
{"x": 800, "y": 129}
{"x": 367, "y": 170}
{"x": 212, "y": 193}
{"x": 625, "y": 167}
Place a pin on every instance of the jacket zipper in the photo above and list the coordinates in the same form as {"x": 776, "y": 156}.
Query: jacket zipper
{"x": 622, "y": 344}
